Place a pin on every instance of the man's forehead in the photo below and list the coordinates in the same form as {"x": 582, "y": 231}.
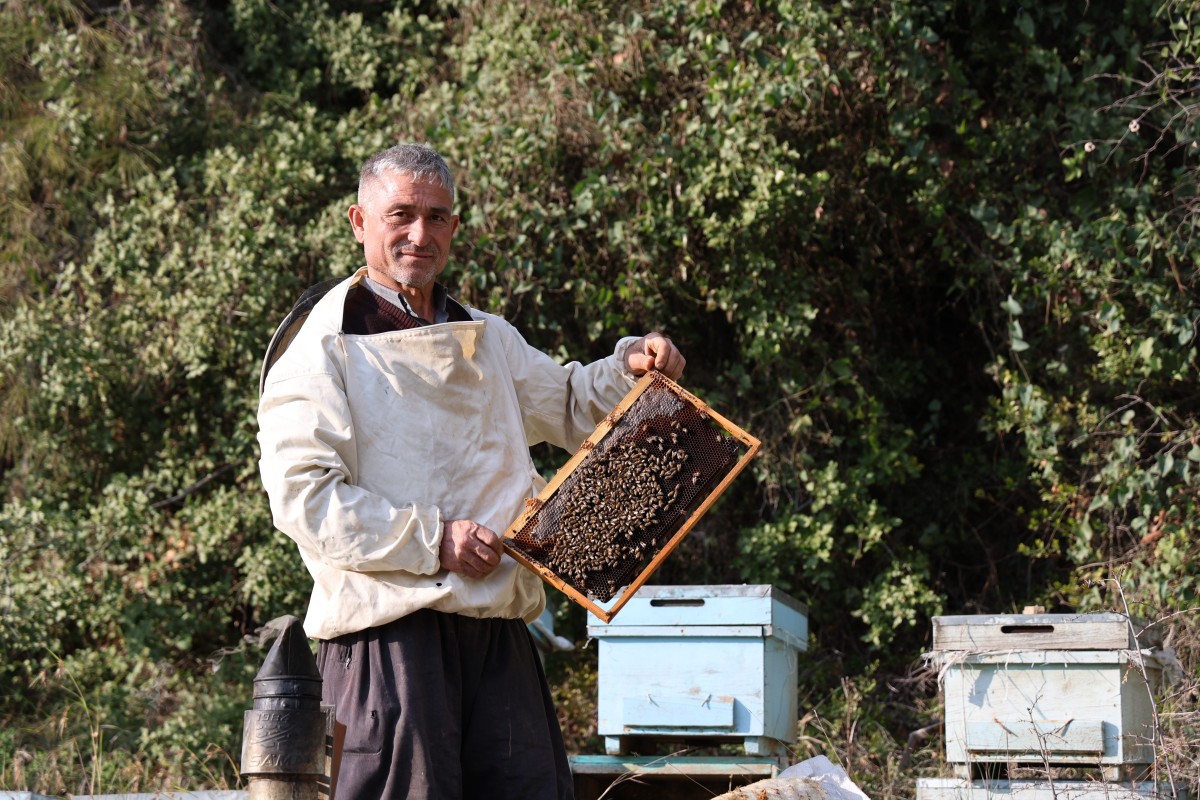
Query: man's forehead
{"x": 402, "y": 188}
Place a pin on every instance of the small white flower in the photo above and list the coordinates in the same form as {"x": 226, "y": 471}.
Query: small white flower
{"x": 1134, "y": 125}
{"x": 1089, "y": 147}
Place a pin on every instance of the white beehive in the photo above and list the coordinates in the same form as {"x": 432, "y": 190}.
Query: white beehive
{"x": 712, "y": 662}
{"x": 1047, "y": 690}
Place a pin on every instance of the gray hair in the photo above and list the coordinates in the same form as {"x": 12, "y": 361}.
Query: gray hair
{"x": 418, "y": 160}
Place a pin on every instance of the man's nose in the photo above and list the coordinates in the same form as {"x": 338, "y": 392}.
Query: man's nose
{"x": 418, "y": 232}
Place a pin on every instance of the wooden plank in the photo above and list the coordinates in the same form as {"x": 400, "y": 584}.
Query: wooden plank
{"x": 1047, "y": 658}
{"x": 959, "y": 789}
{"x": 719, "y": 766}
{"x": 1051, "y": 737}
{"x": 714, "y": 632}
{"x": 699, "y": 713}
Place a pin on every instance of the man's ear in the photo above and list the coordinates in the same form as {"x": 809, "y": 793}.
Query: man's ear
{"x": 357, "y": 221}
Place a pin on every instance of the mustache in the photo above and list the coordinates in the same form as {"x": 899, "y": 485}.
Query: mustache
{"x": 415, "y": 251}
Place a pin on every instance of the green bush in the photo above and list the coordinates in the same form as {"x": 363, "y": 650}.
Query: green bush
{"x": 936, "y": 255}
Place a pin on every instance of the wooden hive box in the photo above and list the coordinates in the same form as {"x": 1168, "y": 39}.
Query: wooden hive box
{"x": 1046, "y": 690}
{"x": 629, "y": 495}
{"x": 706, "y": 662}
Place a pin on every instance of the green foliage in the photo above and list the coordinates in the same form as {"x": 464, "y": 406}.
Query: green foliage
{"x": 1098, "y": 377}
{"x": 946, "y": 277}
{"x": 88, "y": 104}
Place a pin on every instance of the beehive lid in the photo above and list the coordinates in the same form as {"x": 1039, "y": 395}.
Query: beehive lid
{"x": 704, "y": 610}
{"x": 984, "y": 632}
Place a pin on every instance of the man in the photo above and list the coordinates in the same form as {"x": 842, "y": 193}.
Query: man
{"x": 395, "y": 432}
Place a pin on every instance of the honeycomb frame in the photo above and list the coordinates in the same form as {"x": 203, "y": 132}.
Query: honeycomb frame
{"x": 670, "y": 457}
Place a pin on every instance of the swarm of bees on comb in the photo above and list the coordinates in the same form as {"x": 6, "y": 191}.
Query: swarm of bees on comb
{"x": 631, "y": 491}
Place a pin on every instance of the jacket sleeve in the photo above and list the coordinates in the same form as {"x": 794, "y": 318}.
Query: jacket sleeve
{"x": 308, "y": 467}
{"x": 562, "y": 404}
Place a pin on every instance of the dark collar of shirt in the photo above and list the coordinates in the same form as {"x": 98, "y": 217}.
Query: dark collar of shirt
{"x": 373, "y": 308}
{"x": 440, "y": 296}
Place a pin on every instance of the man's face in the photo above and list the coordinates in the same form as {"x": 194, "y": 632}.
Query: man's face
{"x": 405, "y": 227}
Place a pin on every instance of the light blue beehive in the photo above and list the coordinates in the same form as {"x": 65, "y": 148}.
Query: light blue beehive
{"x": 701, "y": 662}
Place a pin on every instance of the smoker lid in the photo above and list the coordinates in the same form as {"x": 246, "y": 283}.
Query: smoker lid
{"x": 289, "y": 670}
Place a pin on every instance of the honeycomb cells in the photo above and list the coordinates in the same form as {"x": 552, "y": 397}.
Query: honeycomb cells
{"x": 634, "y": 490}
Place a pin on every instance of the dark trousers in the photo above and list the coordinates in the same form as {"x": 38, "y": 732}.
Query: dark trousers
{"x": 444, "y": 707}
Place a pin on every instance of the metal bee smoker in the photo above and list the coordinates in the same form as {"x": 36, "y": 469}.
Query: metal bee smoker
{"x": 629, "y": 495}
{"x": 287, "y": 738}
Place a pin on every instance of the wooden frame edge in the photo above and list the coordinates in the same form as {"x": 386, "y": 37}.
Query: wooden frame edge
{"x": 534, "y": 505}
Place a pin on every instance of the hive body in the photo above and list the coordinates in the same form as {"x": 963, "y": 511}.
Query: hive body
{"x": 1045, "y": 690}
{"x": 701, "y": 662}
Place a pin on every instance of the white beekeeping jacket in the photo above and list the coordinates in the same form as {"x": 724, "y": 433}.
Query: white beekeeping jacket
{"x": 370, "y": 442}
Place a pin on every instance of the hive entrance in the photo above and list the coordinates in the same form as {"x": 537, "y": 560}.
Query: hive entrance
{"x": 629, "y": 494}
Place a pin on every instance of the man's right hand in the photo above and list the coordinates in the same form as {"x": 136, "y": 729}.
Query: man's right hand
{"x": 469, "y": 549}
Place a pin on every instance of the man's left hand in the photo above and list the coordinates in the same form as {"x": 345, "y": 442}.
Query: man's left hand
{"x": 655, "y": 351}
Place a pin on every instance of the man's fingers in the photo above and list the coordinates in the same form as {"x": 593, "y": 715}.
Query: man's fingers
{"x": 670, "y": 364}
{"x": 666, "y": 356}
{"x": 490, "y": 539}
{"x": 477, "y": 562}
{"x": 487, "y": 555}
{"x": 470, "y": 549}
{"x": 641, "y": 364}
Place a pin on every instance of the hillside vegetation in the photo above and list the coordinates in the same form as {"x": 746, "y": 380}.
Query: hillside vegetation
{"x": 937, "y": 255}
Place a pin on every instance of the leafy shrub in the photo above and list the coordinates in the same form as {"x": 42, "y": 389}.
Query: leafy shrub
{"x": 947, "y": 278}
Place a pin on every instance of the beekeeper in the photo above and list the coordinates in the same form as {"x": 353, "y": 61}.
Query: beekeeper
{"x": 395, "y": 426}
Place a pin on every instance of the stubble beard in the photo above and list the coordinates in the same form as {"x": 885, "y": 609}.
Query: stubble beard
{"x": 417, "y": 275}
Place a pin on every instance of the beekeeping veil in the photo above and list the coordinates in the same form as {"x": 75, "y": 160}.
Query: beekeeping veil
{"x": 291, "y": 325}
